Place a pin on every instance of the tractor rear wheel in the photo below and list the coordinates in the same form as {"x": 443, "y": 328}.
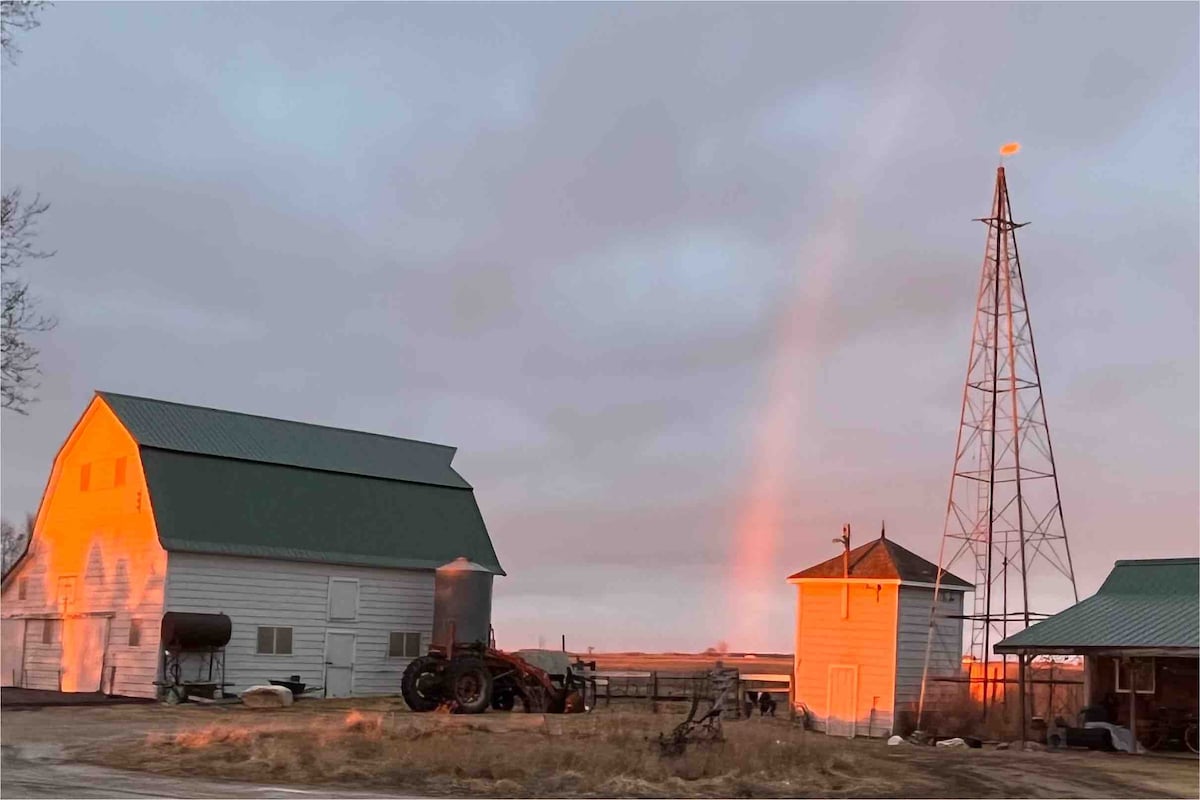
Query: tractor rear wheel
{"x": 469, "y": 685}
{"x": 421, "y": 685}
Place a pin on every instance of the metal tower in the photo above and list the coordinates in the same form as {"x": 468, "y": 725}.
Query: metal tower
{"x": 1004, "y": 514}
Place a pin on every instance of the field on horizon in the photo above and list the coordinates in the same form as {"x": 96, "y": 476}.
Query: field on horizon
{"x": 766, "y": 663}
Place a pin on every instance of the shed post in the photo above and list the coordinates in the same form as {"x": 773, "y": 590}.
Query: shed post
{"x": 1021, "y": 692}
{"x": 1128, "y": 663}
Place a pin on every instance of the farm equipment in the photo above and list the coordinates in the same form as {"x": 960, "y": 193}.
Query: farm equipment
{"x": 470, "y": 678}
{"x": 703, "y": 730}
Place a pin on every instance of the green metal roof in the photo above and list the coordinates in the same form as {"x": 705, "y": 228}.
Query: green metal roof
{"x": 1144, "y": 604}
{"x": 229, "y": 434}
{"x": 311, "y": 494}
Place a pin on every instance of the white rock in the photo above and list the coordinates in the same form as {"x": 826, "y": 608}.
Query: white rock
{"x": 896, "y": 740}
{"x": 267, "y": 697}
{"x": 955, "y": 742}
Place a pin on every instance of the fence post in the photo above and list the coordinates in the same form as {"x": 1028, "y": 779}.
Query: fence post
{"x": 654, "y": 691}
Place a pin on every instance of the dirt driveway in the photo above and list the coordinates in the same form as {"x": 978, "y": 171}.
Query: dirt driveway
{"x": 69, "y": 752}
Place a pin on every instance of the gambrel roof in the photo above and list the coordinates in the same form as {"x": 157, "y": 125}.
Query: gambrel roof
{"x": 227, "y": 483}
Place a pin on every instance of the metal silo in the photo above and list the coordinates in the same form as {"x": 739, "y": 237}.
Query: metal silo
{"x": 462, "y": 603}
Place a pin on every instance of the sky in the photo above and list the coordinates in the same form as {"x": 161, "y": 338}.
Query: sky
{"x": 662, "y": 272}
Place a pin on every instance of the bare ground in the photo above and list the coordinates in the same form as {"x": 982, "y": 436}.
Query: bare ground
{"x": 377, "y": 745}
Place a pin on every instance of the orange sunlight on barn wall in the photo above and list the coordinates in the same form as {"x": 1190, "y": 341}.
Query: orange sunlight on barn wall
{"x": 102, "y": 568}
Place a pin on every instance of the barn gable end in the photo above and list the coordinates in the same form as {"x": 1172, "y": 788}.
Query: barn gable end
{"x": 93, "y": 569}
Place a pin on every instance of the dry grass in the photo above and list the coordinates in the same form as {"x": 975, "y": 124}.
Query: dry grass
{"x": 608, "y": 755}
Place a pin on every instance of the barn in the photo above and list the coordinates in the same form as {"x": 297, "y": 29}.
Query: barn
{"x": 862, "y": 624}
{"x": 319, "y": 545}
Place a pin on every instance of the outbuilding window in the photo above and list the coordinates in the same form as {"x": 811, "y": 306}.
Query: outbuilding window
{"x": 404, "y": 645}
{"x": 274, "y": 641}
{"x": 135, "y": 633}
{"x": 1142, "y": 671}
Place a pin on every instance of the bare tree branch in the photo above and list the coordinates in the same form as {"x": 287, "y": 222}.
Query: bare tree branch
{"x": 19, "y": 317}
{"x": 17, "y": 15}
{"x": 13, "y": 542}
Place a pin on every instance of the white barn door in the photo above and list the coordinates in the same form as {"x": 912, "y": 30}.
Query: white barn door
{"x": 84, "y": 641}
{"x": 12, "y": 652}
{"x": 339, "y": 664}
{"x": 842, "y": 700}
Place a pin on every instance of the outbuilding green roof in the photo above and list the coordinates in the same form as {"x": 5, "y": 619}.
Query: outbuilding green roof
{"x": 1149, "y": 604}
{"x": 237, "y": 484}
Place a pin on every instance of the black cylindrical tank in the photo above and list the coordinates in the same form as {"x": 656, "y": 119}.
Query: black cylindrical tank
{"x": 183, "y": 630}
{"x": 462, "y": 603}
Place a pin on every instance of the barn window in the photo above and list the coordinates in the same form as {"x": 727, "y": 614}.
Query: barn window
{"x": 51, "y": 633}
{"x": 274, "y": 641}
{"x": 119, "y": 472}
{"x": 85, "y": 477}
{"x": 404, "y": 645}
{"x": 343, "y": 598}
{"x": 22, "y": 588}
{"x": 1143, "y": 675}
{"x": 135, "y": 633}
{"x": 66, "y": 592}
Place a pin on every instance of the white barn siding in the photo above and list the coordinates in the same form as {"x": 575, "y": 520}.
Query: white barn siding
{"x": 912, "y": 632}
{"x": 102, "y": 592}
{"x": 260, "y": 592}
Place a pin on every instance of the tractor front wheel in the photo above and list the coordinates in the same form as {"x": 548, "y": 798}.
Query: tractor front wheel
{"x": 469, "y": 685}
{"x": 421, "y": 685}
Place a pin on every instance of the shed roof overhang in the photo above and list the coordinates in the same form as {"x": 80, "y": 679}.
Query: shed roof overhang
{"x": 1116, "y": 652}
{"x": 853, "y": 579}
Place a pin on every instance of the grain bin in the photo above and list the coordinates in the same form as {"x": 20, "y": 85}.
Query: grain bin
{"x": 462, "y": 603}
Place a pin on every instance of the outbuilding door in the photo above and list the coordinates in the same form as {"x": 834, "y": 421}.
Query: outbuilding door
{"x": 339, "y": 664}
{"x": 842, "y": 700}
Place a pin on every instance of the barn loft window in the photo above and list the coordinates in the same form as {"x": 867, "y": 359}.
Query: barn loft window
{"x": 66, "y": 592}
{"x": 119, "y": 472}
{"x": 51, "y": 633}
{"x": 274, "y": 641}
{"x": 343, "y": 598}
{"x": 1143, "y": 675}
{"x": 135, "y": 633}
{"x": 85, "y": 477}
{"x": 404, "y": 645}
{"x": 22, "y": 588}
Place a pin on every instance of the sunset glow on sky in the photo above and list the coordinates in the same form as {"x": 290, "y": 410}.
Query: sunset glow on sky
{"x": 689, "y": 286}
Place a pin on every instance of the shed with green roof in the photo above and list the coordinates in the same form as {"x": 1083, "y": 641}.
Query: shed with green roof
{"x": 1139, "y": 637}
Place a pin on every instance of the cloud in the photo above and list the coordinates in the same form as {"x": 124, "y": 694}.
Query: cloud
{"x": 566, "y": 239}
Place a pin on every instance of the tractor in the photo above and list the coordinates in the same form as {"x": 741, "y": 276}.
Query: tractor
{"x": 468, "y": 678}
